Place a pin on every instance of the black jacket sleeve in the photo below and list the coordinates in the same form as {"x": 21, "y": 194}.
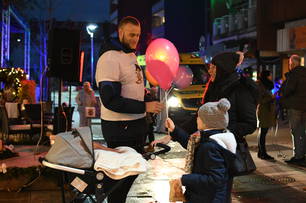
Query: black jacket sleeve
{"x": 242, "y": 118}
{"x": 110, "y": 94}
{"x": 290, "y": 85}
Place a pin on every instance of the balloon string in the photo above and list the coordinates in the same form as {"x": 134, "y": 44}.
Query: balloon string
{"x": 166, "y": 99}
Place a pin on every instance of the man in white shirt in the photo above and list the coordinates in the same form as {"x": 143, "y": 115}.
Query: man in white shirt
{"x": 121, "y": 87}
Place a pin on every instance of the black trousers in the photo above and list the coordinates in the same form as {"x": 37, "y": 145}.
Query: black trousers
{"x": 262, "y": 140}
{"x": 123, "y": 133}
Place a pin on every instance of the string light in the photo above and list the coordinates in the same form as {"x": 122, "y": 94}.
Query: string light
{"x": 12, "y": 77}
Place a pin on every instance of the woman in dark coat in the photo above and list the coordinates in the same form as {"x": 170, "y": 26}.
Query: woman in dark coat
{"x": 265, "y": 112}
{"x": 242, "y": 93}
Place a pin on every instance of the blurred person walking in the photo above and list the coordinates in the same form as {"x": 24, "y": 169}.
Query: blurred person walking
{"x": 85, "y": 98}
{"x": 294, "y": 99}
{"x": 265, "y": 112}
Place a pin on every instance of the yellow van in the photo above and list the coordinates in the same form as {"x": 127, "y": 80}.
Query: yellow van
{"x": 185, "y": 102}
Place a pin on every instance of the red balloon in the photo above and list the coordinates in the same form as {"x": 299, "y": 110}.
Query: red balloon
{"x": 151, "y": 79}
{"x": 161, "y": 73}
{"x": 162, "y": 60}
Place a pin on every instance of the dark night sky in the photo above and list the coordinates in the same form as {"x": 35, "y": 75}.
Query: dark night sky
{"x": 75, "y": 10}
{"x": 82, "y": 10}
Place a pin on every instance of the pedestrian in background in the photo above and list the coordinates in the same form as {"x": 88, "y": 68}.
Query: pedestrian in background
{"x": 294, "y": 99}
{"x": 265, "y": 111}
{"x": 85, "y": 98}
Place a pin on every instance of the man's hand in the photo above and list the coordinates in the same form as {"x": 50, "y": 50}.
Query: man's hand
{"x": 154, "y": 107}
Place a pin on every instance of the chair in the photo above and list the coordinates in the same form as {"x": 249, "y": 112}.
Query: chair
{"x": 62, "y": 119}
{"x": 12, "y": 110}
{"x": 8, "y": 128}
{"x": 33, "y": 114}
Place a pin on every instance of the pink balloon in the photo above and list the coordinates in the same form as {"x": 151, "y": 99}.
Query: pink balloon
{"x": 161, "y": 73}
{"x": 166, "y": 54}
{"x": 183, "y": 77}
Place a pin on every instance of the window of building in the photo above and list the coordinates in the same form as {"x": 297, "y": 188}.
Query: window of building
{"x": 158, "y": 19}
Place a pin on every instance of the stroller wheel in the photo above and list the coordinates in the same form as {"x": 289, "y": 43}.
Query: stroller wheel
{"x": 149, "y": 155}
{"x": 152, "y": 156}
{"x": 99, "y": 176}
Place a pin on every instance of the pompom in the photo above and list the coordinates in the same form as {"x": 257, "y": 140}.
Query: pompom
{"x": 224, "y": 105}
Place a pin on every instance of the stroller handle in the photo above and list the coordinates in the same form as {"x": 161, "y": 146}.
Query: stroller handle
{"x": 152, "y": 155}
{"x": 165, "y": 149}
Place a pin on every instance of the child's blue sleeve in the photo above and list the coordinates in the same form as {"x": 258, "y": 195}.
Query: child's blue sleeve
{"x": 180, "y": 136}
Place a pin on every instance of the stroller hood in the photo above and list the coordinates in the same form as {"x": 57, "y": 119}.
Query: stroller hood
{"x": 73, "y": 148}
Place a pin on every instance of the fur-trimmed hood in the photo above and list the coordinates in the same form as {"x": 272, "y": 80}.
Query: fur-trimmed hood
{"x": 226, "y": 140}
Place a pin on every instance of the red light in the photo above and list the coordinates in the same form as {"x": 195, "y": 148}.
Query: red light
{"x": 81, "y": 65}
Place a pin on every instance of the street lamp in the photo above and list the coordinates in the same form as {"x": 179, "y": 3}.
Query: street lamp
{"x": 90, "y": 30}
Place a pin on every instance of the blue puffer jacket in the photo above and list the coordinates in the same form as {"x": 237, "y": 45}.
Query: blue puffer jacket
{"x": 209, "y": 181}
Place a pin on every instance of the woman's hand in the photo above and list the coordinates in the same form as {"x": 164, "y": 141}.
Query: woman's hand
{"x": 164, "y": 140}
{"x": 170, "y": 125}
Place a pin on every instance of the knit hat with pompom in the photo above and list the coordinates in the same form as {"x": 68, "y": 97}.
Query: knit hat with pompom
{"x": 214, "y": 114}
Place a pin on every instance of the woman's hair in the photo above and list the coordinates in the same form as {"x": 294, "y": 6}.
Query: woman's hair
{"x": 265, "y": 80}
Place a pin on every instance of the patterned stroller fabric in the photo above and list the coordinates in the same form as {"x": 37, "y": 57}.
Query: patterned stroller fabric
{"x": 73, "y": 149}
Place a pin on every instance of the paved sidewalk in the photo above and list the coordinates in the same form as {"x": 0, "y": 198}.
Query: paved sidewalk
{"x": 274, "y": 182}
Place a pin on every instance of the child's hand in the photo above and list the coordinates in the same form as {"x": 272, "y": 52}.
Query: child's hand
{"x": 164, "y": 140}
{"x": 170, "y": 125}
{"x": 197, "y": 133}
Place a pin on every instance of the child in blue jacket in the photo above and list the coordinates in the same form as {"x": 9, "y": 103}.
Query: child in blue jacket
{"x": 210, "y": 151}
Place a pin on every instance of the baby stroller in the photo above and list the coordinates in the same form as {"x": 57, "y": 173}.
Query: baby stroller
{"x": 73, "y": 156}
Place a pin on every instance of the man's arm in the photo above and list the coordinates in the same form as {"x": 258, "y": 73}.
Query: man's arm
{"x": 108, "y": 81}
{"x": 290, "y": 85}
{"x": 93, "y": 98}
{"x": 77, "y": 99}
{"x": 110, "y": 94}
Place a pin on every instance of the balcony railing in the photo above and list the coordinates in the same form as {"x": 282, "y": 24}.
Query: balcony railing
{"x": 227, "y": 25}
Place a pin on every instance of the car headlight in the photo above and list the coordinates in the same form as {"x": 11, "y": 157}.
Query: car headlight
{"x": 174, "y": 102}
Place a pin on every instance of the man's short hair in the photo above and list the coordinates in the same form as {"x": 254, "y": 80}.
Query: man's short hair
{"x": 296, "y": 59}
{"x": 86, "y": 83}
{"x": 128, "y": 19}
